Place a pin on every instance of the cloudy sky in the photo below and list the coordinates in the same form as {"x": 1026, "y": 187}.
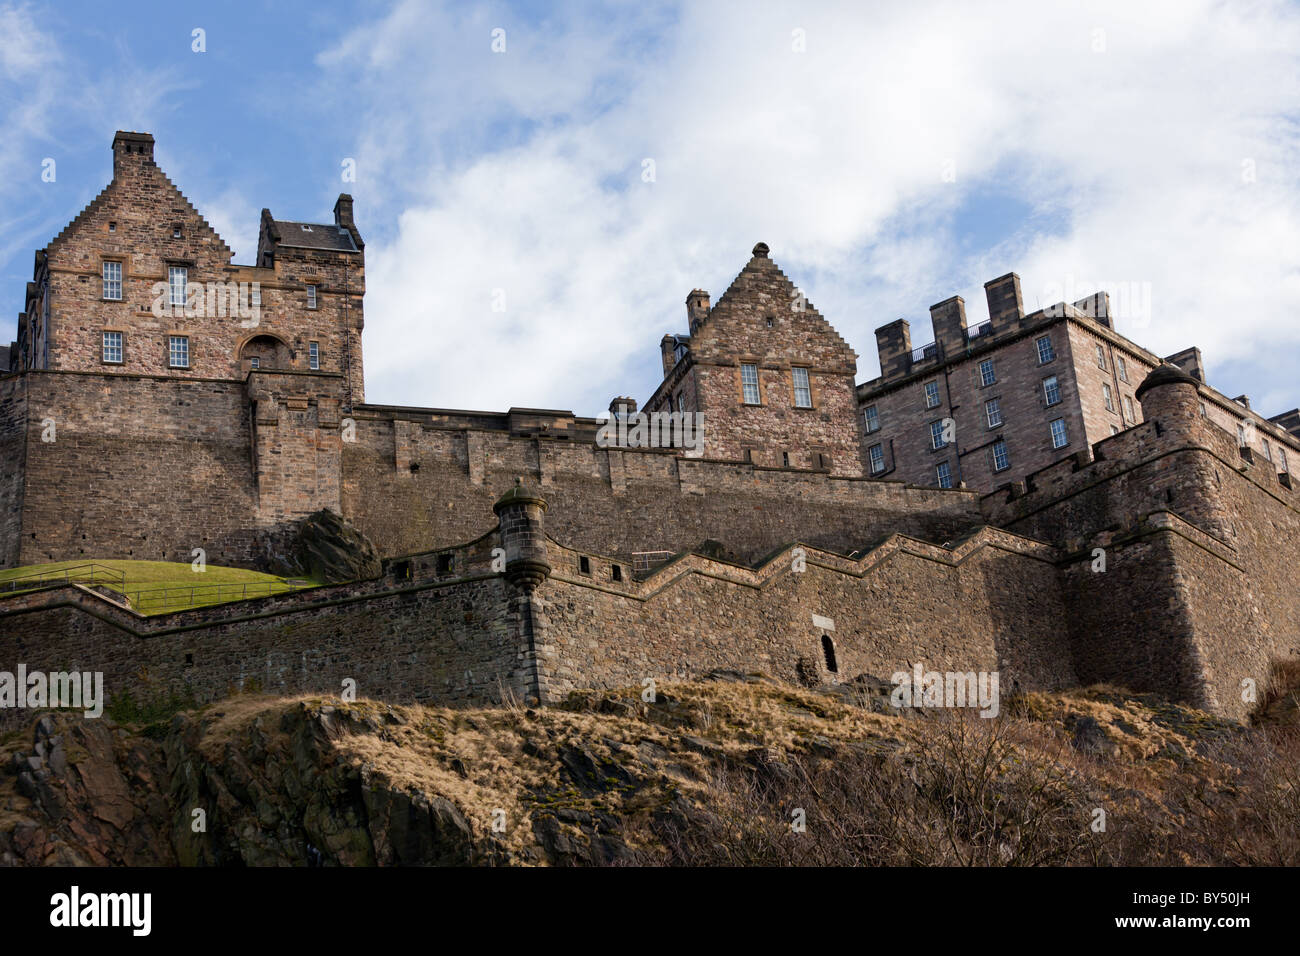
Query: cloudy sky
{"x": 586, "y": 167}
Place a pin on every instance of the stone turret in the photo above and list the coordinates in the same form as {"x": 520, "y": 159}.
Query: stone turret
{"x": 1190, "y": 485}
{"x": 523, "y": 536}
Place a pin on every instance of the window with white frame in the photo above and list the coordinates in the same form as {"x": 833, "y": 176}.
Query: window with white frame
{"x": 986, "y": 373}
{"x": 1001, "y": 460}
{"x": 178, "y": 351}
{"x": 311, "y": 297}
{"x": 313, "y": 355}
{"x": 802, "y": 388}
{"x": 1051, "y": 390}
{"x": 943, "y": 474}
{"x": 1101, "y": 357}
{"x": 993, "y": 413}
{"x": 1059, "y": 438}
{"x": 177, "y": 277}
{"x": 681, "y": 401}
{"x": 112, "y": 346}
{"x": 1107, "y": 397}
{"x": 871, "y": 418}
{"x": 1114, "y": 429}
{"x": 1129, "y": 415}
{"x": 877, "y": 455}
{"x": 931, "y": 394}
{"x": 749, "y": 384}
{"x": 1045, "y": 351}
{"x": 254, "y": 362}
{"x": 936, "y": 435}
{"x": 1121, "y": 367}
{"x": 112, "y": 280}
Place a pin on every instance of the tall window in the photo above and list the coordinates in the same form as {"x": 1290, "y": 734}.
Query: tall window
{"x": 1101, "y": 357}
{"x": 681, "y": 398}
{"x": 1268, "y": 452}
{"x": 877, "y": 455}
{"x": 177, "y": 276}
{"x": 1045, "y": 351}
{"x": 1051, "y": 390}
{"x": 311, "y": 297}
{"x": 1059, "y": 439}
{"x": 931, "y": 394}
{"x": 1121, "y": 367}
{"x": 178, "y": 351}
{"x": 749, "y": 383}
{"x": 943, "y": 474}
{"x": 871, "y": 418}
{"x": 313, "y": 355}
{"x": 1281, "y": 459}
{"x": 1241, "y": 435}
{"x": 936, "y": 435}
{"x": 113, "y": 347}
{"x": 802, "y": 390}
{"x": 1128, "y": 410}
{"x": 986, "y": 373}
{"x": 993, "y": 413}
{"x": 112, "y": 280}
{"x": 1001, "y": 460}
{"x": 1107, "y": 397}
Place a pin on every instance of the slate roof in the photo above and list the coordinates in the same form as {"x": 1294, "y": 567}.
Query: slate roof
{"x": 313, "y": 235}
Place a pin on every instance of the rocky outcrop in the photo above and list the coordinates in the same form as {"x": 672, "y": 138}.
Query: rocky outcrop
{"x": 325, "y": 547}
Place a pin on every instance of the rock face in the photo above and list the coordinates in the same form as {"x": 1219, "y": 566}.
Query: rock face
{"x": 326, "y": 547}
{"x": 611, "y": 777}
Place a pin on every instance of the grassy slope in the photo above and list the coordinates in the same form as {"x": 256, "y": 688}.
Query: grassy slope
{"x": 149, "y": 576}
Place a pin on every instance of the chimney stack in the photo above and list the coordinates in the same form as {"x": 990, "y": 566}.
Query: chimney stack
{"x": 131, "y": 150}
{"x": 1005, "y": 306}
{"x": 949, "y": 321}
{"x": 343, "y": 212}
{"x": 894, "y": 345}
{"x": 697, "y": 308}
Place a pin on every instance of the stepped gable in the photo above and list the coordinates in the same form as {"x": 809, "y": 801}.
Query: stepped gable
{"x": 143, "y": 141}
{"x": 762, "y": 287}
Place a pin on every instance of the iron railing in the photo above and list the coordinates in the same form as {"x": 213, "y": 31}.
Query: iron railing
{"x": 90, "y": 574}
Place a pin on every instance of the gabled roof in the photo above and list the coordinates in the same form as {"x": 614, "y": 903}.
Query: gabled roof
{"x": 312, "y": 235}
{"x": 98, "y": 201}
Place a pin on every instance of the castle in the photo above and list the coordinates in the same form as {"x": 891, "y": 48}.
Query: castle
{"x": 161, "y": 399}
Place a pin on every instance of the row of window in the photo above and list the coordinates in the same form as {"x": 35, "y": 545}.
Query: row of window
{"x": 753, "y": 396}
{"x": 178, "y": 351}
{"x": 999, "y": 457}
{"x": 1243, "y": 439}
{"x": 992, "y": 407}
{"x": 177, "y": 285}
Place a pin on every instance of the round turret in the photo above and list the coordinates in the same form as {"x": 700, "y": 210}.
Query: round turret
{"x": 523, "y": 537}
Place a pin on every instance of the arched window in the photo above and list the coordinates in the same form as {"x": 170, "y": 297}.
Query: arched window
{"x": 828, "y": 651}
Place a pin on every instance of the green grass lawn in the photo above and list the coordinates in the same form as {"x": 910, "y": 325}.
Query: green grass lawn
{"x": 157, "y": 587}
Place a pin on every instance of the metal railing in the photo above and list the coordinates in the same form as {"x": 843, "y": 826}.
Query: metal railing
{"x": 645, "y": 560}
{"x": 925, "y": 352}
{"x": 90, "y": 574}
{"x": 153, "y": 600}
{"x": 984, "y": 328}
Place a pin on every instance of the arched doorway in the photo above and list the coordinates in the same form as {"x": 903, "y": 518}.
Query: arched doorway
{"x": 264, "y": 351}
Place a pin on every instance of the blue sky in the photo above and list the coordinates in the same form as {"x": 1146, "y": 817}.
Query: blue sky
{"x": 891, "y": 154}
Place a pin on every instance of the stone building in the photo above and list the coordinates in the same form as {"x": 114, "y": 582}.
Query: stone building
{"x": 774, "y": 547}
{"x": 987, "y": 405}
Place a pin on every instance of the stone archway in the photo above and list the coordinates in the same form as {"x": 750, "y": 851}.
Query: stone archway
{"x": 264, "y": 351}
